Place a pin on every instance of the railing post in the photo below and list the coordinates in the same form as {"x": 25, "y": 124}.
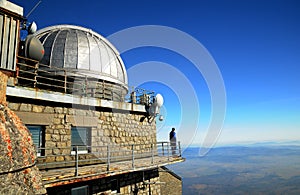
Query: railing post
{"x": 132, "y": 155}
{"x": 108, "y": 158}
{"x": 179, "y": 148}
{"x": 76, "y": 161}
{"x": 152, "y": 154}
{"x": 163, "y": 149}
{"x": 36, "y": 67}
{"x": 168, "y": 150}
{"x": 86, "y": 87}
{"x": 65, "y": 84}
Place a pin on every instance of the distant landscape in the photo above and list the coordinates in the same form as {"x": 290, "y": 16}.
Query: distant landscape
{"x": 257, "y": 169}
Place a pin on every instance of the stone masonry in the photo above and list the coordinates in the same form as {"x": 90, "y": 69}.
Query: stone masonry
{"x": 116, "y": 128}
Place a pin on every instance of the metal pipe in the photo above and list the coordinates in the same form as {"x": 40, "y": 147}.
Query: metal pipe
{"x": 179, "y": 148}
{"x": 132, "y": 155}
{"x": 168, "y": 149}
{"x": 108, "y": 158}
{"x": 152, "y": 154}
{"x": 76, "y": 161}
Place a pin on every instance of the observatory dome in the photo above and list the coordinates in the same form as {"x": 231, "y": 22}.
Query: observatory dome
{"x": 82, "y": 52}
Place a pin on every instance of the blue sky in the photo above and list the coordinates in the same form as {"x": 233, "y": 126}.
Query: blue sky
{"x": 255, "y": 43}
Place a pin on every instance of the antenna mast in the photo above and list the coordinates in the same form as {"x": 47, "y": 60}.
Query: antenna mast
{"x": 38, "y": 3}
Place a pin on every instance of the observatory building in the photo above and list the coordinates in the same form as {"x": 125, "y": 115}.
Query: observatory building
{"x": 92, "y": 133}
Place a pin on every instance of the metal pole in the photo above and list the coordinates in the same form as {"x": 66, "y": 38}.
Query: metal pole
{"x": 132, "y": 155}
{"x": 163, "y": 149}
{"x": 152, "y": 154}
{"x": 36, "y": 66}
{"x": 65, "y": 84}
{"x": 179, "y": 148}
{"x": 108, "y": 158}
{"x": 76, "y": 161}
{"x": 168, "y": 149}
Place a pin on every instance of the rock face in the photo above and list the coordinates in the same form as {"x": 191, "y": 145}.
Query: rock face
{"x": 18, "y": 173}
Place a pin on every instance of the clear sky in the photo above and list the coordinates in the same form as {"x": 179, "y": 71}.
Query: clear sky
{"x": 254, "y": 43}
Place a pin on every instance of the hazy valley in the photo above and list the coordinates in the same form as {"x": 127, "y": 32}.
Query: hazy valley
{"x": 241, "y": 170}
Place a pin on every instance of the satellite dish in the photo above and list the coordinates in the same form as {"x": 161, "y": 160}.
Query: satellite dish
{"x": 157, "y": 103}
{"x": 32, "y": 28}
{"x": 159, "y": 100}
{"x": 33, "y": 48}
{"x": 161, "y": 118}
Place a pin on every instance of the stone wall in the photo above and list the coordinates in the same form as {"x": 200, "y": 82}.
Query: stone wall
{"x": 173, "y": 183}
{"x": 116, "y": 128}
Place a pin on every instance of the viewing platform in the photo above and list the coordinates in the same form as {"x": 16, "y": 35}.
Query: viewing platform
{"x": 98, "y": 162}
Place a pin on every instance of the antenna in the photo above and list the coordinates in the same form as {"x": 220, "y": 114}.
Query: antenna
{"x": 33, "y": 9}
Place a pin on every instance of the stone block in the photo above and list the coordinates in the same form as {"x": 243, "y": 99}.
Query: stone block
{"x": 63, "y": 132}
{"x": 66, "y": 138}
{"x": 65, "y": 110}
{"x": 60, "y": 126}
{"x": 61, "y": 116}
{"x": 56, "y": 132}
{"x": 25, "y": 107}
{"x": 59, "y": 158}
{"x": 56, "y": 151}
{"x": 36, "y": 108}
{"x": 50, "y": 144}
{"x": 56, "y": 121}
{"x": 48, "y": 137}
{"x": 69, "y": 158}
{"x": 49, "y": 131}
{"x": 14, "y": 106}
{"x": 50, "y": 158}
{"x": 65, "y": 151}
{"x": 58, "y": 110}
{"x": 61, "y": 144}
{"x": 49, "y": 109}
{"x": 55, "y": 137}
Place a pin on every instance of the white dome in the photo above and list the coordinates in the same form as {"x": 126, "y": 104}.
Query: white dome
{"x": 82, "y": 51}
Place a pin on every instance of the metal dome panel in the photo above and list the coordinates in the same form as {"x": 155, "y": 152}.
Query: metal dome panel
{"x": 81, "y": 50}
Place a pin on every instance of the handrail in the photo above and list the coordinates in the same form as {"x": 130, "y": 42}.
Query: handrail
{"x": 80, "y": 156}
{"x": 31, "y": 73}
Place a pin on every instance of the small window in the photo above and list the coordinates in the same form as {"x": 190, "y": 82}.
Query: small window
{"x": 81, "y": 137}
{"x": 38, "y": 138}
{"x": 83, "y": 190}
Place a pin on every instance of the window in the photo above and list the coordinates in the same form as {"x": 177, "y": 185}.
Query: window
{"x": 83, "y": 190}
{"x": 81, "y": 137}
{"x": 38, "y": 138}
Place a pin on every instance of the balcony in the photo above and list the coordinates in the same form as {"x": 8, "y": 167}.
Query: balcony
{"x": 62, "y": 166}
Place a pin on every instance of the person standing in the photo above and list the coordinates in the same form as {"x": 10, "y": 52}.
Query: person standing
{"x": 173, "y": 141}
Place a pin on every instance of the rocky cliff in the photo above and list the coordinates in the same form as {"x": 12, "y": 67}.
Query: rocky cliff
{"x": 18, "y": 173}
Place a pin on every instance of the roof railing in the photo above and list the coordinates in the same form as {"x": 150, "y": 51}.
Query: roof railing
{"x": 32, "y": 74}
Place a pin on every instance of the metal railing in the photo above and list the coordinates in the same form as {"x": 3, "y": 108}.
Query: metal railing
{"x": 31, "y": 73}
{"x": 81, "y": 156}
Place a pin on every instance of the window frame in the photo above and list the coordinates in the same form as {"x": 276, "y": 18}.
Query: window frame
{"x": 86, "y": 143}
{"x": 41, "y": 129}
